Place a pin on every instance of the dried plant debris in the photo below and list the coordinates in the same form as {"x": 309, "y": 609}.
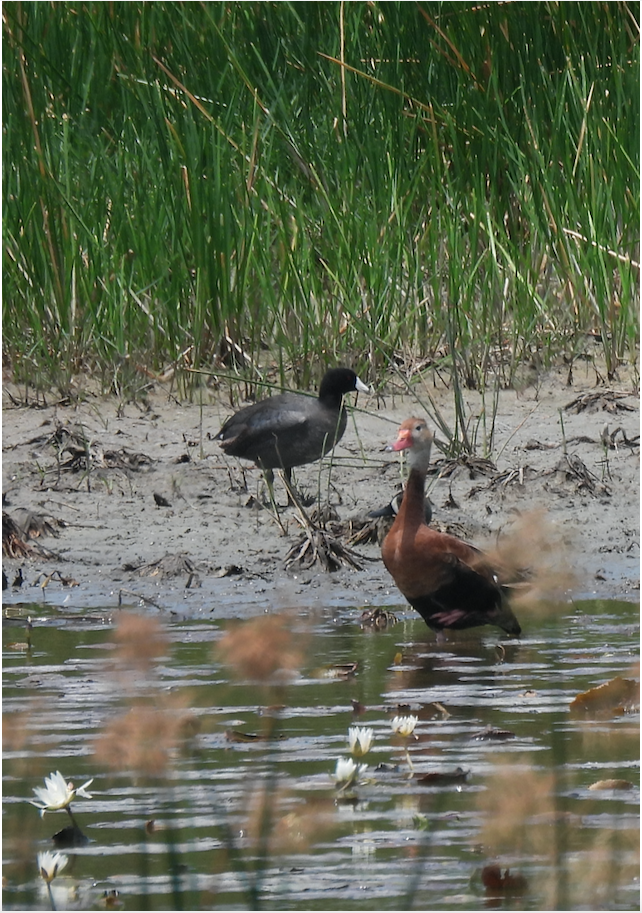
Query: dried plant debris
{"x": 107, "y": 459}
{"x": 317, "y": 545}
{"x": 407, "y": 365}
{"x": 516, "y": 476}
{"x": 323, "y": 514}
{"x": 34, "y": 524}
{"x": 361, "y": 529}
{"x": 168, "y": 566}
{"x": 83, "y": 453}
{"x": 610, "y": 438}
{"x": 25, "y": 645}
{"x": 378, "y": 618}
{"x": 440, "y": 710}
{"x": 18, "y": 542}
{"x": 139, "y": 597}
{"x": 571, "y": 469}
{"x": 475, "y": 466}
{"x": 45, "y": 579}
{"x": 608, "y": 400}
{"x": 66, "y": 436}
{"x": 13, "y": 539}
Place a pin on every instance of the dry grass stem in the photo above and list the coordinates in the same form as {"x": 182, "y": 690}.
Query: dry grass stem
{"x": 262, "y": 649}
{"x": 144, "y": 739}
{"x": 140, "y": 642}
{"x": 514, "y": 796}
{"x": 536, "y": 556}
{"x": 287, "y": 824}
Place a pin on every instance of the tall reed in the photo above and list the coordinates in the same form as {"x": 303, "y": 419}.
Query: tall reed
{"x": 290, "y": 185}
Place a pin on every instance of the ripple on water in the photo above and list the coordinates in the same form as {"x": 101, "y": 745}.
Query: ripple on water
{"x": 182, "y": 810}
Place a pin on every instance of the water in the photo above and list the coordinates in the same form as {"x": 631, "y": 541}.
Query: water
{"x": 252, "y": 818}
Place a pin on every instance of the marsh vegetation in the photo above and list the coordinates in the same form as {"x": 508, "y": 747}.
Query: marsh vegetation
{"x": 267, "y": 189}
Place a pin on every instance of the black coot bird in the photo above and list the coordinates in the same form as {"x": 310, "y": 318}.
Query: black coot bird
{"x": 291, "y": 429}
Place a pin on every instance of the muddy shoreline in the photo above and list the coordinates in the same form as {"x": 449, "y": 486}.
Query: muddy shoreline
{"x": 164, "y": 516}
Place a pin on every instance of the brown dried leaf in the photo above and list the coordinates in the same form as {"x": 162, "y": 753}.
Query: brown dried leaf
{"x": 612, "y": 784}
{"x": 620, "y": 695}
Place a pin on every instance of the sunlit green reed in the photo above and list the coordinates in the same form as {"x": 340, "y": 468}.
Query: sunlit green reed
{"x": 290, "y": 185}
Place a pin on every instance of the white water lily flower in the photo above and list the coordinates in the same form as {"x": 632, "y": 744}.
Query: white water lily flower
{"x": 51, "y": 864}
{"x": 360, "y": 740}
{"x": 404, "y": 725}
{"x": 347, "y": 772}
{"x": 57, "y": 793}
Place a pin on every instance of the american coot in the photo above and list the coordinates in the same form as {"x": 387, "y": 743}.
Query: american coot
{"x": 448, "y": 582}
{"x": 291, "y": 429}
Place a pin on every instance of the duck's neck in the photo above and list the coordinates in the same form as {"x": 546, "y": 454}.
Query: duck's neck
{"x": 412, "y": 512}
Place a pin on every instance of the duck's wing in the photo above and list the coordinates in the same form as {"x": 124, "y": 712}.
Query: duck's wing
{"x": 421, "y": 559}
{"x": 468, "y": 594}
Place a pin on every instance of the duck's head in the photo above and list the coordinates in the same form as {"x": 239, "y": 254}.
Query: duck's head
{"x": 414, "y": 435}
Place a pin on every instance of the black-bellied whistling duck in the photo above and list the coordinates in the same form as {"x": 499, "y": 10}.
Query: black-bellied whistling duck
{"x": 448, "y": 582}
{"x": 291, "y": 429}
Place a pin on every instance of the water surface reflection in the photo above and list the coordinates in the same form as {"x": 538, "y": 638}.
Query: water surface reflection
{"x": 213, "y": 791}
